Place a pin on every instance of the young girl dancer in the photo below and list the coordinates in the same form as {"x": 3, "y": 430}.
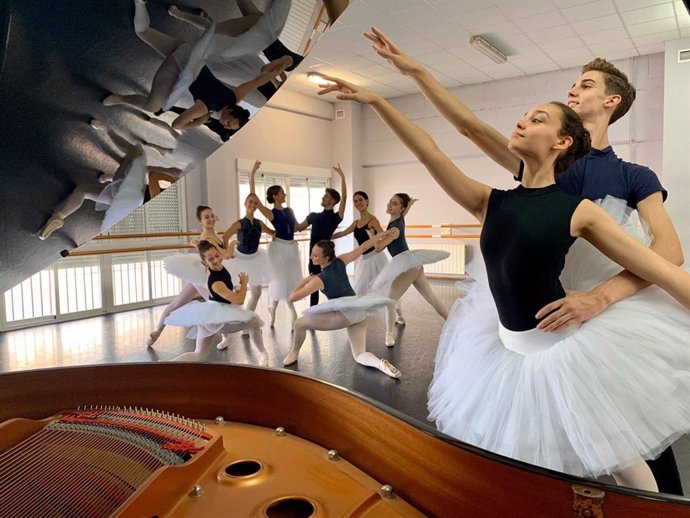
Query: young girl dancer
{"x": 344, "y": 309}
{"x": 221, "y": 313}
{"x": 248, "y": 257}
{"x": 407, "y": 266}
{"x": 520, "y": 392}
{"x": 283, "y": 251}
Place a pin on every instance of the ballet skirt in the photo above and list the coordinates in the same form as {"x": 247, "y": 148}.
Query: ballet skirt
{"x": 588, "y": 401}
{"x": 255, "y": 265}
{"x": 209, "y": 317}
{"x": 355, "y": 308}
{"x": 121, "y": 197}
{"x": 191, "y": 59}
{"x": 367, "y": 268}
{"x": 405, "y": 261}
{"x": 190, "y": 268}
{"x": 238, "y": 71}
{"x": 285, "y": 268}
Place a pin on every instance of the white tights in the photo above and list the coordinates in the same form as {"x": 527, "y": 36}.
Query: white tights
{"x": 203, "y": 343}
{"x": 414, "y": 277}
{"x": 637, "y": 476}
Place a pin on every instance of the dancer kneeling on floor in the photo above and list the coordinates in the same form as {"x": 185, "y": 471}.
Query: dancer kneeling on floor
{"x": 221, "y": 313}
{"x": 343, "y": 310}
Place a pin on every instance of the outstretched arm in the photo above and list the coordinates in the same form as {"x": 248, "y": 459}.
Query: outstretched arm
{"x": 299, "y": 227}
{"x": 342, "y": 233}
{"x": 197, "y": 115}
{"x": 266, "y": 229}
{"x": 236, "y": 297}
{"x": 357, "y": 252}
{"x": 242, "y": 90}
{"x": 343, "y": 191}
{"x": 473, "y": 196}
{"x": 252, "y": 190}
{"x": 487, "y": 138}
{"x": 230, "y": 232}
{"x": 409, "y": 206}
{"x": 306, "y": 287}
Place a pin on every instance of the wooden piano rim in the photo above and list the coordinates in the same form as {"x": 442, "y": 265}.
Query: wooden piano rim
{"x": 454, "y": 475}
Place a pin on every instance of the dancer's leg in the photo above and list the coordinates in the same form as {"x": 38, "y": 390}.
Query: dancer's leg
{"x": 256, "y": 337}
{"x": 187, "y": 294}
{"x": 422, "y": 285}
{"x": 163, "y": 82}
{"x": 198, "y": 21}
{"x": 329, "y": 321}
{"x": 158, "y": 41}
{"x": 236, "y": 26}
{"x": 293, "y": 314}
{"x": 203, "y": 346}
{"x": 357, "y": 333}
{"x": 637, "y": 476}
{"x": 334, "y": 8}
{"x": 398, "y": 288}
{"x": 272, "y": 310}
{"x": 68, "y": 206}
{"x": 252, "y": 302}
{"x": 399, "y": 318}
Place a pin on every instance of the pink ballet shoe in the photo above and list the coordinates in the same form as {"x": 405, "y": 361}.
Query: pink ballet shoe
{"x": 152, "y": 338}
{"x": 53, "y": 224}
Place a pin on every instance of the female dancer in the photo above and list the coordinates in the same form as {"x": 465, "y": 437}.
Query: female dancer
{"x": 344, "y": 309}
{"x": 283, "y": 252}
{"x": 248, "y": 257}
{"x": 518, "y": 391}
{"x": 371, "y": 263}
{"x": 222, "y": 312}
{"x": 188, "y": 268}
{"x": 407, "y": 266}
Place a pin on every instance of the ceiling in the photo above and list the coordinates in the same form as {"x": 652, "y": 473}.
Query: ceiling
{"x": 536, "y": 35}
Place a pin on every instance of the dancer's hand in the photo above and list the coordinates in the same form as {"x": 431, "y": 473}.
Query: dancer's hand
{"x": 256, "y": 166}
{"x": 576, "y": 307}
{"x": 338, "y": 170}
{"x": 389, "y": 51}
{"x": 348, "y": 91}
{"x": 244, "y": 279}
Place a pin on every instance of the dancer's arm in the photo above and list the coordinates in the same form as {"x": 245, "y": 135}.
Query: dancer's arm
{"x": 391, "y": 235}
{"x": 192, "y": 117}
{"x": 487, "y": 138}
{"x": 357, "y": 252}
{"x": 268, "y": 214}
{"x": 578, "y": 307}
{"x": 306, "y": 287}
{"x": 409, "y": 206}
{"x": 596, "y": 226}
{"x": 473, "y": 196}
{"x": 348, "y": 230}
{"x": 375, "y": 224}
{"x": 343, "y": 191}
{"x": 236, "y": 297}
{"x": 299, "y": 227}
{"x": 242, "y": 90}
{"x": 230, "y": 232}
{"x": 267, "y": 230}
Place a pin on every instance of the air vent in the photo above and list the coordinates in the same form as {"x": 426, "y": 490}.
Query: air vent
{"x": 683, "y": 55}
{"x": 339, "y": 114}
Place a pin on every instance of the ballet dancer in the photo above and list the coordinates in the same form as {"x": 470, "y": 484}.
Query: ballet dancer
{"x": 370, "y": 264}
{"x": 518, "y": 391}
{"x": 324, "y": 223}
{"x": 248, "y": 256}
{"x": 601, "y": 96}
{"x": 283, "y": 252}
{"x": 222, "y": 312}
{"x": 343, "y": 310}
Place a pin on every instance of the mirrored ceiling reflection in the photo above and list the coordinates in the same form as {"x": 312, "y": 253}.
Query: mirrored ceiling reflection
{"x": 112, "y": 102}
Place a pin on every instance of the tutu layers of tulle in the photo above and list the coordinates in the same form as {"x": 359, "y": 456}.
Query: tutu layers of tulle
{"x": 367, "y": 268}
{"x": 210, "y": 317}
{"x": 255, "y": 265}
{"x": 354, "y": 308}
{"x": 186, "y": 267}
{"x": 286, "y": 271}
{"x": 406, "y": 261}
{"x": 119, "y": 198}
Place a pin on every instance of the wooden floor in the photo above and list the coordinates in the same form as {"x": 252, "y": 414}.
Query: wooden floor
{"x": 325, "y": 355}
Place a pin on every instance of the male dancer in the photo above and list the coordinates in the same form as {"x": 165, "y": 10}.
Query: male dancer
{"x": 601, "y": 95}
{"x": 324, "y": 223}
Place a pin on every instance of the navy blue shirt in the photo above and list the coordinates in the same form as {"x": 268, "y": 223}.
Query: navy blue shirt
{"x": 323, "y": 224}
{"x": 399, "y": 244}
{"x": 248, "y": 236}
{"x": 335, "y": 281}
{"x": 284, "y": 223}
{"x": 601, "y": 173}
{"x": 208, "y": 89}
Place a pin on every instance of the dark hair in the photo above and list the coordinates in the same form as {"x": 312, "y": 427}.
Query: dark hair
{"x": 616, "y": 82}
{"x": 271, "y": 192}
{"x": 249, "y": 196}
{"x": 241, "y": 114}
{"x": 404, "y": 198}
{"x": 571, "y": 126}
{"x": 333, "y": 194}
{"x": 204, "y": 246}
{"x": 362, "y": 194}
{"x": 328, "y": 249}
{"x": 200, "y": 209}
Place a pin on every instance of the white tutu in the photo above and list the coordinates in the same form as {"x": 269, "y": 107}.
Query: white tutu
{"x": 191, "y": 60}
{"x": 367, "y": 268}
{"x": 406, "y": 261}
{"x": 615, "y": 389}
{"x": 255, "y": 265}
{"x": 210, "y": 317}
{"x": 354, "y": 308}
{"x": 120, "y": 198}
{"x": 286, "y": 272}
{"x": 187, "y": 267}
{"x": 238, "y": 71}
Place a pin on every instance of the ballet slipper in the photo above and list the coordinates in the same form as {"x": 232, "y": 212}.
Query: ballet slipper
{"x": 53, "y": 224}
{"x": 105, "y": 178}
{"x": 112, "y": 100}
{"x": 400, "y": 320}
{"x": 290, "y": 359}
{"x": 224, "y": 343}
{"x": 387, "y": 368}
{"x": 263, "y": 359}
{"x": 98, "y": 125}
{"x": 152, "y": 338}
{"x": 390, "y": 339}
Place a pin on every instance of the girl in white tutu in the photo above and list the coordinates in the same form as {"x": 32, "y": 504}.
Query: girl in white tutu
{"x": 248, "y": 257}
{"x": 344, "y": 309}
{"x": 407, "y": 266}
{"x": 584, "y": 401}
{"x": 222, "y": 312}
{"x": 283, "y": 252}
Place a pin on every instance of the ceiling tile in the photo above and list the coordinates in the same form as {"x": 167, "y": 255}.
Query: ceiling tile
{"x": 564, "y": 4}
{"x": 647, "y": 14}
{"x": 542, "y": 21}
{"x": 479, "y": 21}
{"x": 393, "y": 5}
{"x": 528, "y": 51}
{"x": 685, "y": 32}
{"x": 552, "y": 34}
{"x": 651, "y": 49}
{"x": 564, "y": 44}
{"x": 655, "y": 38}
{"x": 455, "y": 9}
{"x": 525, "y": 8}
{"x": 628, "y": 5}
{"x": 601, "y": 36}
{"x": 610, "y": 47}
{"x": 374, "y": 70}
{"x": 603, "y": 23}
{"x": 682, "y": 15}
{"x": 353, "y": 62}
{"x": 666, "y": 24}
{"x": 589, "y": 10}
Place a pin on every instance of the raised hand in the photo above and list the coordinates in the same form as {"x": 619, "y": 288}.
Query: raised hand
{"x": 244, "y": 279}
{"x": 338, "y": 170}
{"x": 389, "y": 51}
{"x": 348, "y": 91}
{"x": 256, "y": 166}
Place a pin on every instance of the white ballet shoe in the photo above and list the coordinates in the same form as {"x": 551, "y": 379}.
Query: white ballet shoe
{"x": 98, "y": 125}
{"x": 105, "y": 178}
{"x": 272, "y": 313}
{"x": 245, "y": 332}
{"x": 224, "y": 343}
{"x": 290, "y": 359}
{"x": 53, "y": 224}
{"x": 387, "y": 368}
{"x": 263, "y": 359}
{"x": 112, "y": 100}
{"x": 390, "y": 339}
{"x": 400, "y": 320}
{"x": 152, "y": 338}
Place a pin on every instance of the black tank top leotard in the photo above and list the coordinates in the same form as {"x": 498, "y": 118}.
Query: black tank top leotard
{"x": 398, "y": 245}
{"x": 362, "y": 236}
{"x": 524, "y": 241}
{"x": 223, "y": 276}
{"x": 335, "y": 281}
{"x": 248, "y": 236}
{"x": 284, "y": 223}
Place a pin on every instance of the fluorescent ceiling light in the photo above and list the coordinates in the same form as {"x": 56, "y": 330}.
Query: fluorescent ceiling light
{"x": 488, "y": 49}
{"x": 317, "y": 78}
